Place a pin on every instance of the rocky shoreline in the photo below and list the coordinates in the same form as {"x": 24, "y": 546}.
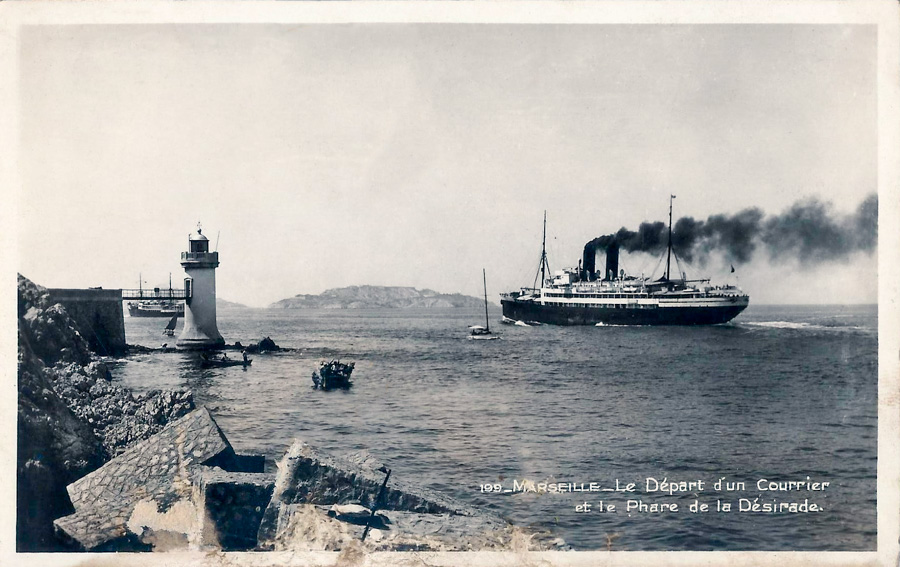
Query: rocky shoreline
{"x": 71, "y": 418}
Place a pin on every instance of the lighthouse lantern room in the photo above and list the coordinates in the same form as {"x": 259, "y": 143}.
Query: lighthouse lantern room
{"x": 200, "y": 330}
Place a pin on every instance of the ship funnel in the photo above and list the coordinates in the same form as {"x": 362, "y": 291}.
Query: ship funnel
{"x": 588, "y": 263}
{"x": 612, "y": 261}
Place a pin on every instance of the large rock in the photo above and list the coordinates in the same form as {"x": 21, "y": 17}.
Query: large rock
{"x": 52, "y": 336}
{"x": 30, "y": 295}
{"x": 263, "y": 346}
{"x": 46, "y": 328}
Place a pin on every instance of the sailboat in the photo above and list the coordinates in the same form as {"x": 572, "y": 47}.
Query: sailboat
{"x": 170, "y": 327}
{"x": 477, "y": 331}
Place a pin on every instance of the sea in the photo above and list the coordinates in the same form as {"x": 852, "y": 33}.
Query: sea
{"x": 551, "y": 426}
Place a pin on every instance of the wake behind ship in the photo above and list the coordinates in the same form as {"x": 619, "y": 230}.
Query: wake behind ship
{"x": 580, "y": 297}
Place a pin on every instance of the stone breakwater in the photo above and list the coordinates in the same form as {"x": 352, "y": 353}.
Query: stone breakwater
{"x": 71, "y": 418}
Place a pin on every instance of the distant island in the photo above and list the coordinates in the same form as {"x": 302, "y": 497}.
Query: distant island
{"x": 223, "y": 304}
{"x": 373, "y": 296}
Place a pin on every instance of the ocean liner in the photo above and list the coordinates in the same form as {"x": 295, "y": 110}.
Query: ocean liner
{"x": 155, "y": 307}
{"x": 579, "y": 297}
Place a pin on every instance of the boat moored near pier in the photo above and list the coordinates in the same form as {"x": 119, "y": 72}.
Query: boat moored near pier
{"x": 163, "y": 304}
{"x": 154, "y": 308}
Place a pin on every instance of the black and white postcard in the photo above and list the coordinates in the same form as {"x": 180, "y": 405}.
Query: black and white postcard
{"x": 430, "y": 283}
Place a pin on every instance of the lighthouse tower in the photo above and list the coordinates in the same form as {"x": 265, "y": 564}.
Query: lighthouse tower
{"x": 200, "y": 331}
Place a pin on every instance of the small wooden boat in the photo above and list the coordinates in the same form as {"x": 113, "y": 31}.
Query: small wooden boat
{"x": 333, "y": 374}
{"x": 224, "y": 362}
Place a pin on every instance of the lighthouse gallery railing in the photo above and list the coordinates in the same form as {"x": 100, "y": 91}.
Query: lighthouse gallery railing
{"x": 200, "y": 257}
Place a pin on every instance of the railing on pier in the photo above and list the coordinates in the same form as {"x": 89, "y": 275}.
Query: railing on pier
{"x": 155, "y": 294}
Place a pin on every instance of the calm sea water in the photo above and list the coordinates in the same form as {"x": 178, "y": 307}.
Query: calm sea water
{"x": 781, "y": 393}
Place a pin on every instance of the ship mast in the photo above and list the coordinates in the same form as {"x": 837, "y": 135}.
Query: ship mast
{"x": 669, "y": 246}
{"x": 544, "y": 251}
{"x": 545, "y": 267}
{"x": 487, "y": 321}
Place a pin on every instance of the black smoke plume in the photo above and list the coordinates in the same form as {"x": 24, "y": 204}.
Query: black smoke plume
{"x": 809, "y": 231}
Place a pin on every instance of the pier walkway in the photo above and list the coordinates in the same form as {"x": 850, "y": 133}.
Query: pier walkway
{"x": 155, "y": 294}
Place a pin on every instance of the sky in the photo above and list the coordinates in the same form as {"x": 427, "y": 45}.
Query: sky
{"x": 320, "y": 156}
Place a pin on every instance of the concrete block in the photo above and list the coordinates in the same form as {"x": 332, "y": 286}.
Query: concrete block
{"x": 232, "y": 505}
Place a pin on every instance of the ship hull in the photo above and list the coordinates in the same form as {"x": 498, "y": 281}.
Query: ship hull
{"x": 147, "y": 313}
{"x": 151, "y": 312}
{"x": 566, "y": 315}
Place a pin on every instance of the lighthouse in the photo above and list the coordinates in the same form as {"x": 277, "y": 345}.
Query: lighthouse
{"x": 200, "y": 330}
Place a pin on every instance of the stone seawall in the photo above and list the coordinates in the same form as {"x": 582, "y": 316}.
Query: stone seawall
{"x": 98, "y": 316}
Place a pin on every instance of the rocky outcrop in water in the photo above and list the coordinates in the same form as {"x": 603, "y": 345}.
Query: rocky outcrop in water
{"x": 263, "y": 346}
{"x": 71, "y": 418}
